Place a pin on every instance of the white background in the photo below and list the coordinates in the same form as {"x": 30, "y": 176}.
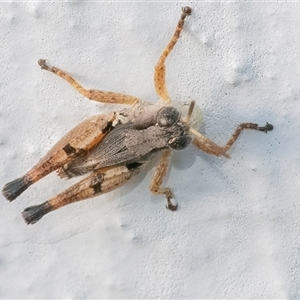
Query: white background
{"x": 236, "y": 232}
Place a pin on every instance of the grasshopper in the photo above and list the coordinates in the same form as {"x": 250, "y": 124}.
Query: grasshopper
{"x": 114, "y": 147}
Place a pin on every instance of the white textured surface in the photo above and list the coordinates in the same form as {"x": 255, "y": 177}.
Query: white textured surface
{"x": 236, "y": 234}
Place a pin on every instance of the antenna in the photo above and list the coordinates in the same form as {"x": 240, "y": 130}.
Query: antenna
{"x": 187, "y": 118}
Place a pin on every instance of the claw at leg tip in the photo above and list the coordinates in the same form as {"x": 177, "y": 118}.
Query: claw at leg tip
{"x": 266, "y": 128}
{"x": 44, "y": 64}
{"x": 171, "y": 207}
{"x": 187, "y": 10}
{"x": 41, "y": 62}
{"x": 269, "y": 127}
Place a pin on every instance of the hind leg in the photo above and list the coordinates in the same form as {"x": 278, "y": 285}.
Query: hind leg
{"x": 99, "y": 182}
{"x": 77, "y": 142}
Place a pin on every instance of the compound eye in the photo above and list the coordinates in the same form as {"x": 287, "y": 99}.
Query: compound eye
{"x": 181, "y": 142}
{"x": 167, "y": 116}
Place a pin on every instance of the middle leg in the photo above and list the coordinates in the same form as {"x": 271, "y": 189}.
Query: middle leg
{"x": 92, "y": 94}
{"x": 157, "y": 179}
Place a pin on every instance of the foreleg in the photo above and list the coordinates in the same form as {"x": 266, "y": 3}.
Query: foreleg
{"x": 160, "y": 68}
{"x": 206, "y": 145}
{"x": 241, "y": 127}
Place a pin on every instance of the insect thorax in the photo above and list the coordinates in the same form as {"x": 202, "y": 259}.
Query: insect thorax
{"x": 145, "y": 114}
